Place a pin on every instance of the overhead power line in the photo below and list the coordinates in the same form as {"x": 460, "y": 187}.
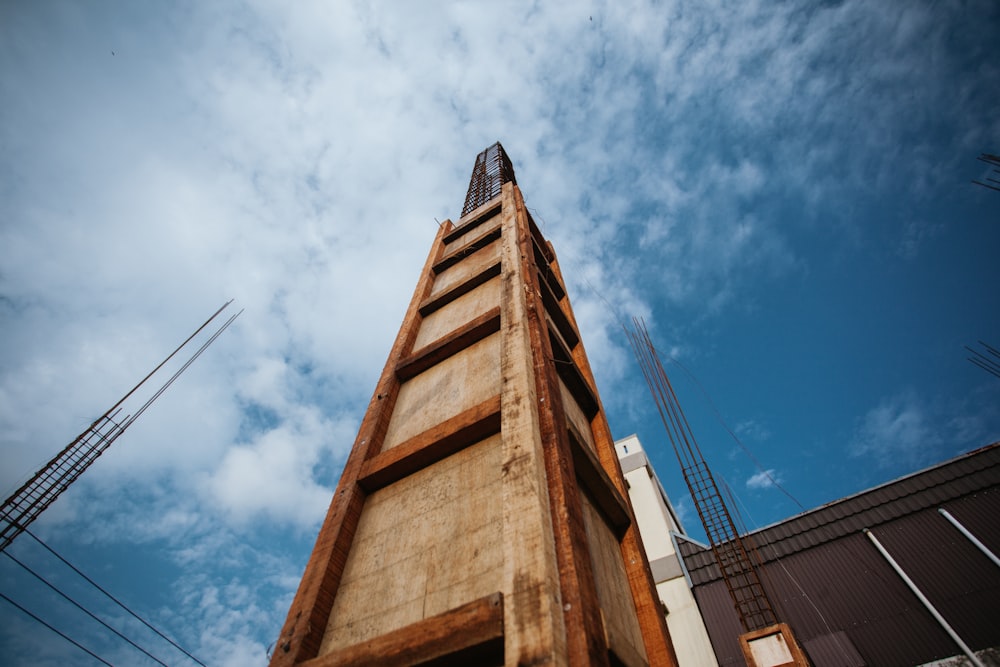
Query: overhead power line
{"x": 35, "y": 495}
{"x": 84, "y": 609}
{"x": 989, "y": 362}
{"x": 113, "y": 598}
{"x": 58, "y": 632}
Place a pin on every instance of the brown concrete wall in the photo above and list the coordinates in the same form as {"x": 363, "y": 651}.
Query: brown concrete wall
{"x": 424, "y": 545}
{"x": 465, "y": 269}
{"x": 442, "y": 391}
{"x": 462, "y": 310}
{"x": 613, "y": 590}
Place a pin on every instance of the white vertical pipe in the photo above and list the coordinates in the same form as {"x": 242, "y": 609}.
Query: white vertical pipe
{"x": 927, "y": 603}
{"x": 972, "y": 538}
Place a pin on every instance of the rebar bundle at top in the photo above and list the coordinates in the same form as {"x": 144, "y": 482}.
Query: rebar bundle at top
{"x": 492, "y": 169}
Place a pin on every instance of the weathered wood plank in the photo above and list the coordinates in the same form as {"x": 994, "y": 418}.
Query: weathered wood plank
{"x": 576, "y": 382}
{"x": 585, "y": 638}
{"x": 432, "y": 639}
{"x": 473, "y": 220}
{"x": 436, "y": 443}
{"x": 535, "y": 631}
{"x": 479, "y": 328}
{"x": 555, "y": 311}
{"x": 599, "y": 484}
{"x": 653, "y": 625}
{"x": 429, "y": 305}
{"x": 458, "y": 254}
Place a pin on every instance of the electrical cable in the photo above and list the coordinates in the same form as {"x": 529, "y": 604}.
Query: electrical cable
{"x": 64, "y": 636}
{"x": 84, "y": 609}
{"x": 113, "y": 598}
{"x": 710, "y": 402}
{"x": 739, "y": 442}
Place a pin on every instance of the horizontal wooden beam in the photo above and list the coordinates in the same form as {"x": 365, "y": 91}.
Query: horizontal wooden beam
{"x": 430, "y": 355}
{"x": 431, "y": 304}
{"x": 431, "y": 641}
{"x": 434, "y": 444}
{"x": 545, "y": 269}
{"x": 457, "y": 255}
{"x": 473, "y": 220}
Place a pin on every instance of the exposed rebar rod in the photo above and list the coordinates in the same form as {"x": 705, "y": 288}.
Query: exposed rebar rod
{"x": 994, "y": 161}
{"x": 749, "y": 597}
{"x": 35, "y": 495}
{"x": 491, "y": 170}
{"x": 985, "y": 362}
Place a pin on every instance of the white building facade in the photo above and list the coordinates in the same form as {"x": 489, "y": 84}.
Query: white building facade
{"x": 658, "y": 523}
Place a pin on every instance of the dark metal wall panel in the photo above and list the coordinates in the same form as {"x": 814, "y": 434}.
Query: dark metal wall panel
{"x": 980, "y": 514}
{"x": 825, "y": 577}
{"x": 974, "y": 473}
{"x": 722, "y": 623}
{"x": 959, "y": 580}
{"x": 845, "y": 586}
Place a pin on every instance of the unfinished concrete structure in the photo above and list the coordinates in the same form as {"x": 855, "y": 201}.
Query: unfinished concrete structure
{"x": 482, "y": 516}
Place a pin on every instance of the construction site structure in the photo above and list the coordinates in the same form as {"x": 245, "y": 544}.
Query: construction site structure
{"x": 33, "y": 497}
{"x": 481, "y": 517}
{"x": 765, "y": 642}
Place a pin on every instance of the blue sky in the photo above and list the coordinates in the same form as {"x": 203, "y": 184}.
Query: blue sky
{"x": 781, "y": 189}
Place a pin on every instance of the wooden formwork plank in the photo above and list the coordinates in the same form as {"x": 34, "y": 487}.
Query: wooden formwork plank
{"x": 473, "y": 219}
{"x": 444, "y": 439}
{"x": 597, "y": 482}
{"x": 534, "y": 626}
{"x": 432, "y": 639}
{"x": 586, "y": 643}
{"x": 430, "y": 304}
{"x": 453, "y": 257}
{"x": 652, "y": 623}
{"x": 301, "y": 634}
{"x": 479, "y": 328}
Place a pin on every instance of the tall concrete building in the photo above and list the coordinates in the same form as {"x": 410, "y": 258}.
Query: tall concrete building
{"x": 482, "y": 517}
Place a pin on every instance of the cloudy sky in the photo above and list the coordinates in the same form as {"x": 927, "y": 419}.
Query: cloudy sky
{"x": 781, "y": 189}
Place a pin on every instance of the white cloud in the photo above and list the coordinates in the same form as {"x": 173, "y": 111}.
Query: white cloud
{"x": 273, "y": 475}
{"x": 899, "y": 432}
{"x": 752, "y": 429}
{"x": 764, "y": 479}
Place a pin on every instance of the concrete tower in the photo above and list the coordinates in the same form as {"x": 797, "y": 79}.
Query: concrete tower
{"x": 482, "y": 516}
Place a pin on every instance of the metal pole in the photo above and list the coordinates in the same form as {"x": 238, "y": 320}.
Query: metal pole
{"x": 972, "y": 538}
{"x": 927, "y": 603}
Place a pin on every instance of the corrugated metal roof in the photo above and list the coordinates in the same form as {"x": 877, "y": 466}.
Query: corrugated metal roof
{"x": 826, "y": 578}
{"x": 968, "y": 474}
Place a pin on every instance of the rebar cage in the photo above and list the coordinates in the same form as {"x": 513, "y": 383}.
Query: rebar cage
{"x": 491, "y": 171}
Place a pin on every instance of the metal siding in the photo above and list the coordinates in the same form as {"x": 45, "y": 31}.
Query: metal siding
{"x": 722, "y": 623}
{"x": 958, "y": 579}
{"x": 834, "y": 650}
{"x": 824, "y": 576}
{"x": 980, "y": 514}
